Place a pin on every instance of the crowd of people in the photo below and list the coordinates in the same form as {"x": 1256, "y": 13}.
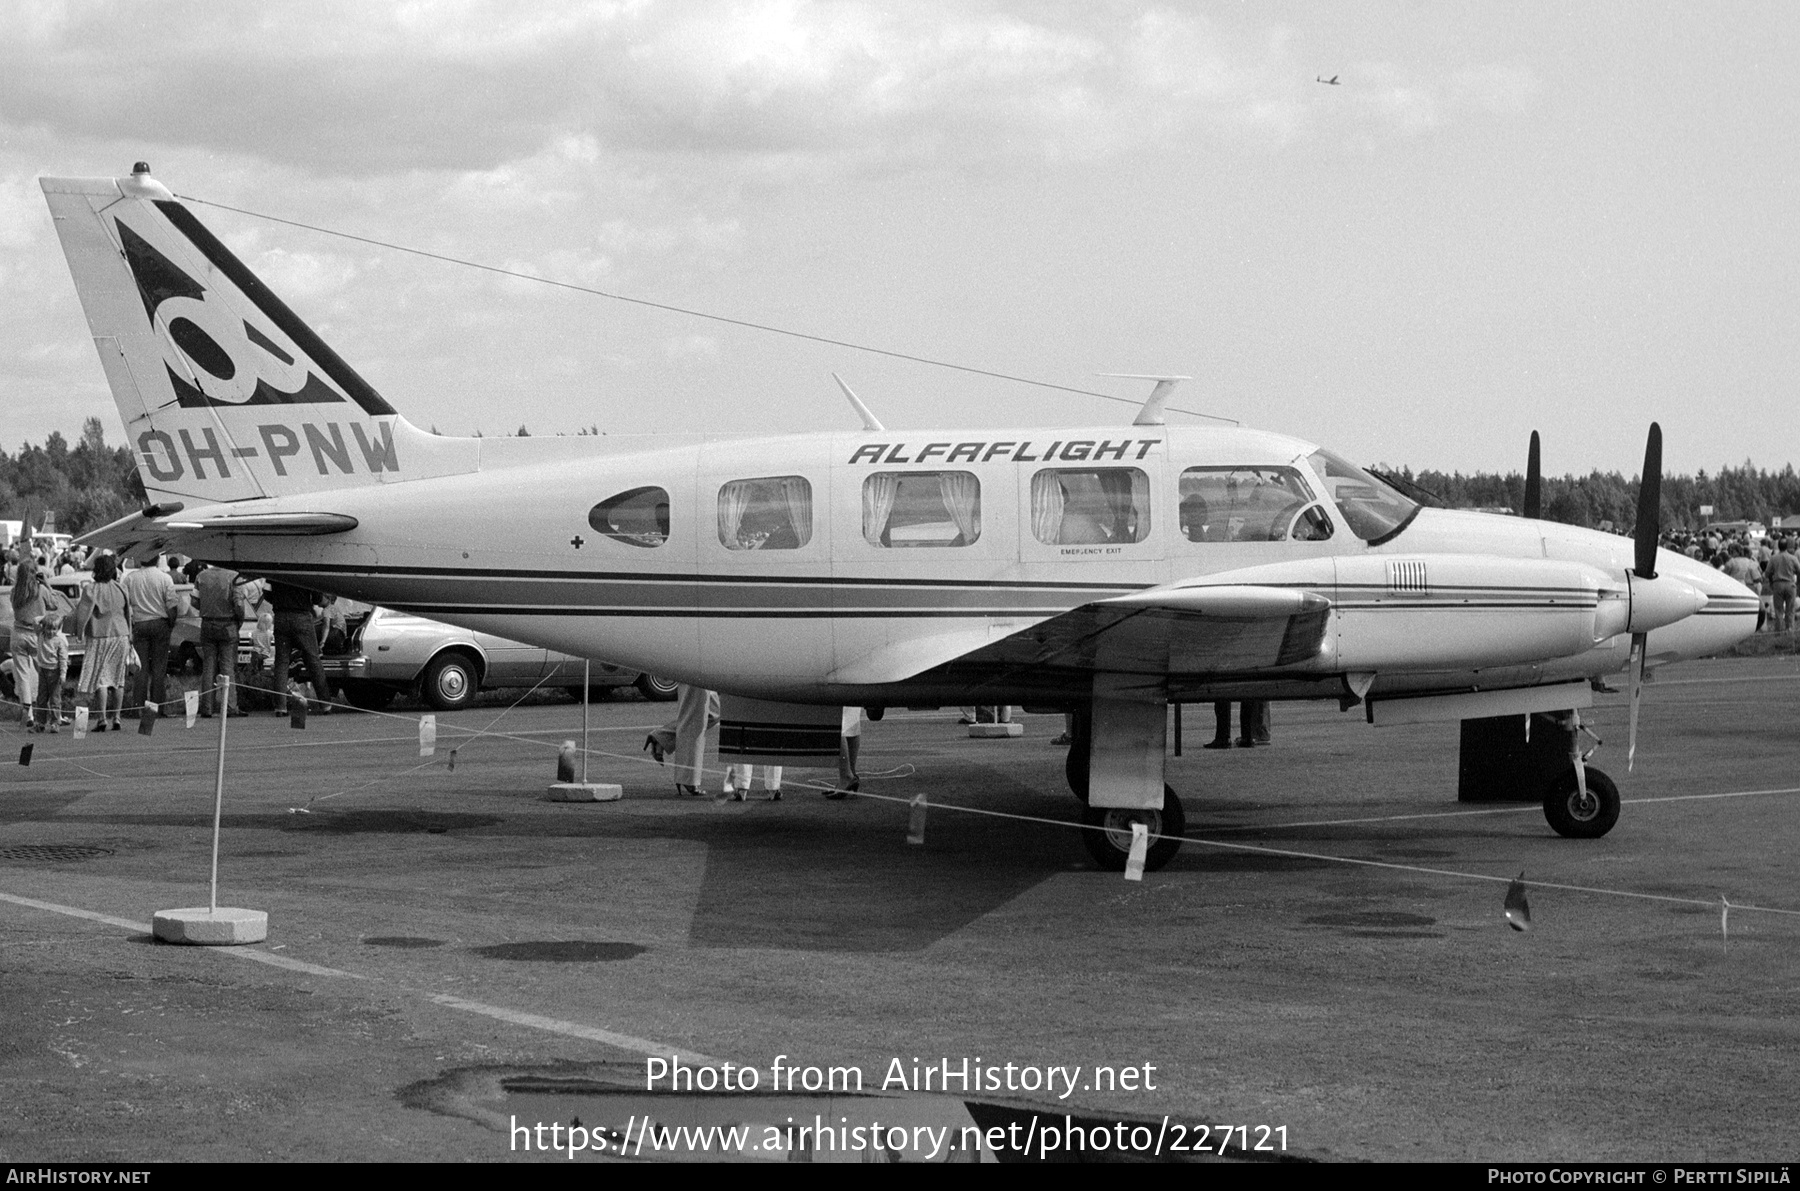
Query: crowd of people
{"x": 1768, "y": 565}
{"x": 124, "y": 622}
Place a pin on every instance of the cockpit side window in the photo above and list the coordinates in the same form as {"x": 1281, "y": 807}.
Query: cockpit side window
{"x": 1374, "y": 511}
{"x": 637, "y": 517}
{"x": 772, "y": 513}
{"x": 903, "y": 509}
{"x": 1250, "y": 503}
{"x": 1090, "y": 506}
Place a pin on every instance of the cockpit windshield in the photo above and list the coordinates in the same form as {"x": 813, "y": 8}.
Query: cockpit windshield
{"x": 1374, "y": 511}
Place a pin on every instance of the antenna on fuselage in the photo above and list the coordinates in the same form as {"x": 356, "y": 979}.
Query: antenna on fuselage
{"x": 1152, "y": 412}
{"x": 869, "y": 420}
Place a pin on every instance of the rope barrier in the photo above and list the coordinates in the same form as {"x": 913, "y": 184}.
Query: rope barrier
{"x": 907, "y": 770}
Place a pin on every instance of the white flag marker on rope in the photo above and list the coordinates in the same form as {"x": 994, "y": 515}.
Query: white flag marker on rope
{"x": 915, "y": 829}
{"x": 1517, "y": 910}
{"x": 1140, "y": 847}
{"x": 190, "y": 701}
{"x": 81, "y": 723}
{"x": 427, "y": 735}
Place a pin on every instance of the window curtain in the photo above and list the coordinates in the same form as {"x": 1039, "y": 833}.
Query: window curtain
{"x": 1047, "y": 507}
{"x": 798, "y": 494}
{"x": 1140, "y": 501}
{"x": 962, "y": 496}
{"x": 878, "y": 494}
{"x": 1115, "y": 485}
{"x": 734, "y": 498}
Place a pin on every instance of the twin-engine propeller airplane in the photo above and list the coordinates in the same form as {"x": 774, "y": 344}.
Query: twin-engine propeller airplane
{"x": 1105, "y": 570}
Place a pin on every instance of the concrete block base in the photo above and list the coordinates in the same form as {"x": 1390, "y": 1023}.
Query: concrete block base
{"x": 995, "y": 731}
{"x": 586, "y": 792}
{"x": 223, "y": 927}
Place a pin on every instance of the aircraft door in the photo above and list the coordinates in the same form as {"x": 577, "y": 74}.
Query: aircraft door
{"x": 923, "y": 547}
{"x": 765, "y": 563}
{"x": 638, "y": 555}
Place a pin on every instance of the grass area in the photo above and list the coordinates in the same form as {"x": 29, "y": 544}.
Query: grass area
{"x": 1769, "y": 644}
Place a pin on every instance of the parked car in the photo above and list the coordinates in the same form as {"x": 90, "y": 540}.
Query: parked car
{"x": 391, "y": 652}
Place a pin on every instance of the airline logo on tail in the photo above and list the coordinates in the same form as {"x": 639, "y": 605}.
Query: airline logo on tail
{"x": 213, "y": 355}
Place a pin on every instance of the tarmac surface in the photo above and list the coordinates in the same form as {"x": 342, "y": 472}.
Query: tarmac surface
{"x": 450, "y": 954}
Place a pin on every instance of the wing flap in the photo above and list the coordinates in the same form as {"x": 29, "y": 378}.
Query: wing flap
{"x": 1161, "y": 631}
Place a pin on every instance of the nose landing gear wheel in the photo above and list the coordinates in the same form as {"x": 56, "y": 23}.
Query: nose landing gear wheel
{"x": 1111, "y": 846}
{"x": 1575, "y": 817}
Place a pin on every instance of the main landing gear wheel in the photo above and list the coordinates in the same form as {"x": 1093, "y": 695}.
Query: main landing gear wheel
{"x": 1111, "y": 846}
{"x": 1582, "y": 818}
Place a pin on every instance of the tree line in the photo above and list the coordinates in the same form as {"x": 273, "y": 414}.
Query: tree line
{"x": 86, "y": 485}
{"x": 1746, "y": 493}
{"x": 90, "y": 484}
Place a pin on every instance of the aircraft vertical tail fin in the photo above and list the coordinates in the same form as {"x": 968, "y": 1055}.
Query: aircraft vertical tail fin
{"x": 226, "y": 394}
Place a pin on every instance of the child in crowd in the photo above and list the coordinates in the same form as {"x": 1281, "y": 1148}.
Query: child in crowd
{"x": 52, "y": 668}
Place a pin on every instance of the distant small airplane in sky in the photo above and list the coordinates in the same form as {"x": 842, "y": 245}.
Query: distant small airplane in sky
{"x": 1329, "y": 82}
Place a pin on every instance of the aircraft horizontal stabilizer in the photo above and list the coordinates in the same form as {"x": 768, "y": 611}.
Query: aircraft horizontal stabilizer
{"x": 158, "y": 529}
{"x": 135, "y": 535}
{"x": 268, "y": 524}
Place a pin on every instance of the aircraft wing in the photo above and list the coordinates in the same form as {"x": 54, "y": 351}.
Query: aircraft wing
{"x": 1199, "y": 629}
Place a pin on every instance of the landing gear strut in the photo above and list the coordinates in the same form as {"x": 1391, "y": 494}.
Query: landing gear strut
{"x": 1081, "y": 741}
{"x": 1504, "y": 761}
{"x": 1110, "y": 845}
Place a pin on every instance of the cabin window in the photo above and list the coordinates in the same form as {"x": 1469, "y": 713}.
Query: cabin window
{"x": 638, "y": 517}
{"x": 921, "y": 508}
{"x": 1090, "y": 506}
{"x": 1250, "y": 504}
{"x": 772, "y": 513}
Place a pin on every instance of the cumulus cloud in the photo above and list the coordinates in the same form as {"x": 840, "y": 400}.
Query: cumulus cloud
{"x": 468, "y": 87}
{"x": 22, "y": 217}
{"x": 312, "y": 277}
{"x": 690, "y": 348}
{"x": 471, "y": 87}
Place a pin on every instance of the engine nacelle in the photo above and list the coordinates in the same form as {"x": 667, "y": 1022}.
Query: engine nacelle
{"x": 1462, "y": 612}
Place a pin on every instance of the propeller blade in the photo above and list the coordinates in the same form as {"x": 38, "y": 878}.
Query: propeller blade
{"x": 1640, "y": 643}
{"x": 1534, "y": 481}
{"x": 1649, "y": 517}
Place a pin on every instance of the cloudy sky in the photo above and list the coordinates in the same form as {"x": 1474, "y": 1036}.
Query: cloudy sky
{"x": 1574, "y": 218}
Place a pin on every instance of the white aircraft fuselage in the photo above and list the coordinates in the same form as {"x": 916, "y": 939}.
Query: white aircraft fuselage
{"x": 510, "y": 549}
